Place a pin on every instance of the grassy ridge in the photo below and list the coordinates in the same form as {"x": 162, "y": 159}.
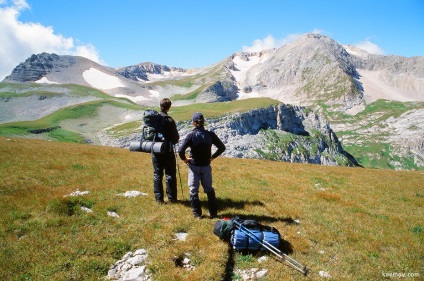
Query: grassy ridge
{"x": 355, "y": 224}
{"x": 216, "y": 109}
{"x": 53, "y": 120}
{"x": 89, "y": 109}
{"x": 192, "y": 95}
{"x": 209, "y": 110}
{"x": 13, "y": 90}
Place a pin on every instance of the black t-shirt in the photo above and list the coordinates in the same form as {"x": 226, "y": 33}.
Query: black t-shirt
{"x": 200, "y": 141}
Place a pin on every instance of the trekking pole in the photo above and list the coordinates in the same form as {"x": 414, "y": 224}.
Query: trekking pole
{"x": 178, "y": 169}
{"x": 289, "y": 260}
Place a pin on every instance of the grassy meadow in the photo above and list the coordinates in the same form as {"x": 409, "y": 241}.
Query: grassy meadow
{"x": 350, "y": 223}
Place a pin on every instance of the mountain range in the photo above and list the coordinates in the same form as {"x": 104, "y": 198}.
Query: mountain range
{"x": 373, "y": 103}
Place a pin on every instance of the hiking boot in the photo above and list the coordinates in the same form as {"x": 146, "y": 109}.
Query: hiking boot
{"x": 160, "y": 202}
{"x": 195, "y": 205}
{"x": 173, "y": 201}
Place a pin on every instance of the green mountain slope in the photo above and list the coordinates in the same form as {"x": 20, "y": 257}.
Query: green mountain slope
{"x": 62, "y": 125}
{"x": 80, "y": 122}
{"x": 382, "y": 135}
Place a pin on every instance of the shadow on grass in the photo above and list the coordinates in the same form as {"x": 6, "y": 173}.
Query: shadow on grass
{"x": 224, "y": 203}
{"x": 229, "y": 266}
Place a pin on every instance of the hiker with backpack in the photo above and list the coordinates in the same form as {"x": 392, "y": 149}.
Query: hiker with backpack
{"x": 200, "y": 142}
{"x": 164, "y": 130}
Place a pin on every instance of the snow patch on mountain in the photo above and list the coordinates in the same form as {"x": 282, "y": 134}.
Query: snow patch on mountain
{"x": 243, "y": 74}
{"x": 154, "y": 94}
{"x": 44, "y": 80}
{"x": 357, "y": 52}
{"x": 166, "y": 75}
{"x": 134, "y": 99}
{"x": 101, "y": 80}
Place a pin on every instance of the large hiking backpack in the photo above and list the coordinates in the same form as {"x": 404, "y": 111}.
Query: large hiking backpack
{"x": 223, "y": 229}
{"x": 154, "y": 126}
{"x": 250, "y": 235}
{"x": 246, "y": 234}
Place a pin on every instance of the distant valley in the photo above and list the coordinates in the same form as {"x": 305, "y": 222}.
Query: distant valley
{"x": 373, "y": 104}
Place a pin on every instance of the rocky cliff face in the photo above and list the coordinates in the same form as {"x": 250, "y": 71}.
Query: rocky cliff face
{"x": 140, "y": 72}
{"x": 283, "y": 133}
{"x": 220, "y": 91}
{"x": 37, "y": 66}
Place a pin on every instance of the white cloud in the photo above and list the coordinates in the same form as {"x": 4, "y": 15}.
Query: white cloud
{"x": 87, "y": 51}
{"x": 270, "y": 42}
{"x": 370, "y": 47}
{"x": 21, "y": 4}
{"x": 261, "y": 44}
{"x": 20, "y": 40}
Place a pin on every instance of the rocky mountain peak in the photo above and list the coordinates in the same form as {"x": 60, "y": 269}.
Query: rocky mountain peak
{"x": 37, "y": 66}
{"x": 298, "y": 73}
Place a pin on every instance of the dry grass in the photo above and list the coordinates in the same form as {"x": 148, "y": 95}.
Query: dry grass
{"x": 355, "y": 224}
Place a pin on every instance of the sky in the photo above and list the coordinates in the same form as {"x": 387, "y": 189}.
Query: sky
{"x": 193, "y": 33}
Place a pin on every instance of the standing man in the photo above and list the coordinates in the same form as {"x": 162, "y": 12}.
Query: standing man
{"x": 166, "y": 162}
{"x": 200, "y": 141}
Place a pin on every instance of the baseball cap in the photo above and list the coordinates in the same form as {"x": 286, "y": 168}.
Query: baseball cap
{"x": 197, "y": 117}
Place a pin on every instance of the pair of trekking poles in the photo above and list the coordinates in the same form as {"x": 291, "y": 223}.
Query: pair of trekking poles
{"x": 285, "y": 258}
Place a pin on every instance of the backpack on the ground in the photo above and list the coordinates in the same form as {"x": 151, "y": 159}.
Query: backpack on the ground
{"x": 251, "y": 235}
{"x": 246, "y": 234}
{"x": 223, "y": 229}
{"x": 154, "y": 126}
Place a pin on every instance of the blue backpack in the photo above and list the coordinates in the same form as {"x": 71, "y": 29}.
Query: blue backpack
{"x": 246, "y": 234}
{"x": 251, "y": 235}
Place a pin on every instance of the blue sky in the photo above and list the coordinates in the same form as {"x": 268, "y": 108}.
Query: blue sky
{"x": 198, "y": 33}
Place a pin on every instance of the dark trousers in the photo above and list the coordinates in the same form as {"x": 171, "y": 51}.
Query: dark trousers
{"x": 164, "y": 162}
